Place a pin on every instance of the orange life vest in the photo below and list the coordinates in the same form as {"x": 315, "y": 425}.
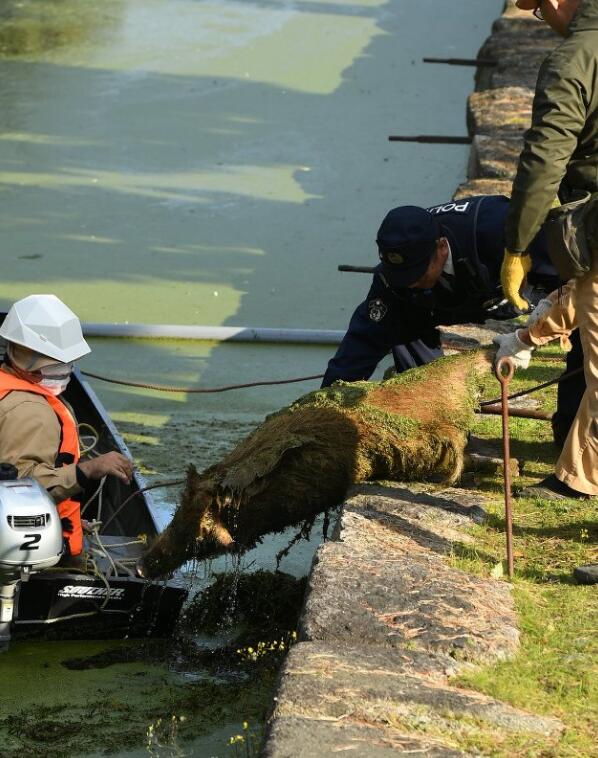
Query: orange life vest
{"x": 69, "y": 444}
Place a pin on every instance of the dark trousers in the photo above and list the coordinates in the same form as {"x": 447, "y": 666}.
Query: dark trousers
{"x": 569, "y": 393}
{"x": 413, "y": 354}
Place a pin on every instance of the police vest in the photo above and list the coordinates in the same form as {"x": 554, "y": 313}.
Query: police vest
{"x": 69, "y": 446}
{"x": 475, "y": 227}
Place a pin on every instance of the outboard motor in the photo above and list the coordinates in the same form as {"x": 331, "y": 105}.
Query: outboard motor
{"x": 30, "y": 538}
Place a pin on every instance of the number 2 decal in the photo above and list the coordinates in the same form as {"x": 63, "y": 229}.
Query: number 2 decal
{"x": 31, "y": 541}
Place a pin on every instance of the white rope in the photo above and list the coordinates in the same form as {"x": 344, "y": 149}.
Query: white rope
{"x": 93, "y": 497}
{"x": 93, "y": 436}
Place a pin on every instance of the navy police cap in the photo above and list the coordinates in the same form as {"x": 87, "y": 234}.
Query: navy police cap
{"x": 406, "y": 242}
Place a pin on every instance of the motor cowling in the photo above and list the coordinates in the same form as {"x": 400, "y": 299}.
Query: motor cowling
{"x": 30, "y": 538}
{"x": 30, "y": 529}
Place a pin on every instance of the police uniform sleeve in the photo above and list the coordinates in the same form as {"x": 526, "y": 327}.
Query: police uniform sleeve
{"x": 371, "y": 334}
{"x": 30, "y": 440}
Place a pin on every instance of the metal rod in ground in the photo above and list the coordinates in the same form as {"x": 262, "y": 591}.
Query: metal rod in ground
{"x": 505, "y": 369}
{"x": 357, "y": 269}
{"x": 478, "y": 62}
{"x": 431, "y": 139}
{"x": 496, "y": 410}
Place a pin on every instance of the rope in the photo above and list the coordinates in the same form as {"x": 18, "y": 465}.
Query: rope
{"x": 266, "y": 383}
{"x": 138, "y": 492}
{"x": 200, "y": 390}
{"x": 538, "y": 387}
{"x": 93, "y": 497}
{"x": 94, "y": 436}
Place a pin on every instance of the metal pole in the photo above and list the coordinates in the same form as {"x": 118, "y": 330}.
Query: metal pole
{"x": 357, "y": 269}
{"x": 7, "y": 602}
{"x": 505, "y": 369}
{"x": 496, "y": 410}
{"x": 478, "y": 62}
{"x": 432, "y": 139}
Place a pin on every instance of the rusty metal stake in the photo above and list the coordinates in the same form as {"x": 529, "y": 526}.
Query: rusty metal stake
{"x": 478, "y": 62}
{"x": 431, "y": 139}
{"x": 505, "y": 369}
{"x": 496, "y": 410}
{"x": 357, "y": 269}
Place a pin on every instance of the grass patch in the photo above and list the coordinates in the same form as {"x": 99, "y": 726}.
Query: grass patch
{"x": 555, "y": 672}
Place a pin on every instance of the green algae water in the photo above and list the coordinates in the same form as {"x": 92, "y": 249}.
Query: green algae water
{"x": 135, "y": 705}
{"x": 180, "y": 161}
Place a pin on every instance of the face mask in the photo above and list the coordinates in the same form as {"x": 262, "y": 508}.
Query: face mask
{"x": 55, "y": 378}
{"x": 55, "y": 386}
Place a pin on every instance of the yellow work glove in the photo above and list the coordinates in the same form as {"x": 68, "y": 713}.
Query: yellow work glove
{"x": 514, "y": 270}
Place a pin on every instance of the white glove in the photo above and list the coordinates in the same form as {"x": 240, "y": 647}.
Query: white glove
{"x": 510, "y": 346}
{"x": 543, "y": 307}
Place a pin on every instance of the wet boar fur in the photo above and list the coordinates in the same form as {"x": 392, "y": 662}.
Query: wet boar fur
{"x": 301, "y": 460}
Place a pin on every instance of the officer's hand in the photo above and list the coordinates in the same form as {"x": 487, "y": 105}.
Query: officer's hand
{"x": 512, "y": 346}
{"x": 109, "y": 463}
{"x": 514, "y": 270}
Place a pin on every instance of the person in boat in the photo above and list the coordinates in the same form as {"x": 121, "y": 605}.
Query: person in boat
{"x": 38, "y": 431}
{"x": 439, "y": 265}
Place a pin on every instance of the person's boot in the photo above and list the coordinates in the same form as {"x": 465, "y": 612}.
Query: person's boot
{"x": 552, "y": 488}
{"x": 587, "y": 574}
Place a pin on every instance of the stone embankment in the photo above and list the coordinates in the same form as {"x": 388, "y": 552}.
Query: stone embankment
{"x": 386, "y": 620}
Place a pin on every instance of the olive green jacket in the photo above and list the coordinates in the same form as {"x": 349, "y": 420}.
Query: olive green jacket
{"x": 561, "y": 147}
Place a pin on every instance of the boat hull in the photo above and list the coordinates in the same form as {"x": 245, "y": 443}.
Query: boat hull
{"x": 65, "y": 605}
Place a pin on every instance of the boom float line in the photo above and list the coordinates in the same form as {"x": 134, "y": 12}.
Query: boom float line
{"x": 214, "y": 333}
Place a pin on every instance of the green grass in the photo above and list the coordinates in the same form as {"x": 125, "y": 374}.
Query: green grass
{"x": 555, "y": 672}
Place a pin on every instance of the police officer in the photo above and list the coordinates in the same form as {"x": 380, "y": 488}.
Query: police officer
{"x": 437, "y": 266}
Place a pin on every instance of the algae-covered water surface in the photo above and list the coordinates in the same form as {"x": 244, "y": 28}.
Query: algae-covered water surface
{"x": 80, "y": 698}
{"x": 203, "y": 162}
{"x": 188, "y": 696}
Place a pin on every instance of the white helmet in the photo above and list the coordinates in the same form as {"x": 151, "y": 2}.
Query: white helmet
{"x": 44, "y": 324}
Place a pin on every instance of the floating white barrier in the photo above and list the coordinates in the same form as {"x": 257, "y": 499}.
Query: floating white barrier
{"x": 215, "y": 333}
